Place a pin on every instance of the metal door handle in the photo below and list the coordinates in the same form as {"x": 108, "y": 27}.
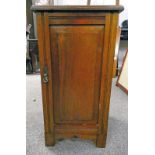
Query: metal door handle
{"x": 45, "y": 75}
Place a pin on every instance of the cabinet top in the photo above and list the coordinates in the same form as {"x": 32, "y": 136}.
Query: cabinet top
{"x": 67, "y": 8}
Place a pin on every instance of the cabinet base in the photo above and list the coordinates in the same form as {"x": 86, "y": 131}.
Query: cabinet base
{"x": 101, "y": 141}
{"x": 50, "y": 139}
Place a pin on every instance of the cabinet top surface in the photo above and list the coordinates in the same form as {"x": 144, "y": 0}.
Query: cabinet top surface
{"x": 95, "y": 8}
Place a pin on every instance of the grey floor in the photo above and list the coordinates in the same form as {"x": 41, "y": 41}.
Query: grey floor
{"x": 117, "y": 140}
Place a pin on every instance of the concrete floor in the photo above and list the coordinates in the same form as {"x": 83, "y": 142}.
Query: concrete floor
{"x": 117, "y": 140}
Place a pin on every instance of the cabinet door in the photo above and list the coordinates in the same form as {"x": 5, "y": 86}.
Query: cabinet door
{"x": 76, "y": 60}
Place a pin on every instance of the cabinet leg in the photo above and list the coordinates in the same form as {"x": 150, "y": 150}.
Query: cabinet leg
{"x": 49, "y": 139}
{"x": 101, "y": 141}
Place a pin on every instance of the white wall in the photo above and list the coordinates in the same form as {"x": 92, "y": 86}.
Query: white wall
{"x": 70, "y": 2}
{"x": 124, "y": 15}
{"x": 84, "y": 2}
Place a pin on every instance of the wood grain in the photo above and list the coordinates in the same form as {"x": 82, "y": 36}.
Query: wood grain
{"x": 77, "y": 67}
{"x": 49, "y": 139}
{"x": 107, "y": 80}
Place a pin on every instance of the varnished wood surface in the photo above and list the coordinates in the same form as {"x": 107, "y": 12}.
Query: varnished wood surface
{"x": 78, "y": 51}
{"x": 103, "y": 8}
{"x": 107, "y": 79}
{"x": 76, "y": 62}
{"x": 48, "y": 126}
{"x": 115, "y": 67}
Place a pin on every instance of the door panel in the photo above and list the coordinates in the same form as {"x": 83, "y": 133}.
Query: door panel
{"x": 76, "y": 53}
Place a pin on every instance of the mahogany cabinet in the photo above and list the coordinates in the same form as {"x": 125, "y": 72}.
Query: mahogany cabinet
{"x": 76, "y": 51}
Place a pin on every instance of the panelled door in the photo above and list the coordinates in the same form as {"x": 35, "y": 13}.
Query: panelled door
{"x": 75, "y": 47}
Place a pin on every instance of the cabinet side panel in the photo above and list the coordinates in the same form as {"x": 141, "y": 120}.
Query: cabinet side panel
{"x": 112, "y": 43}
{"x": 111, "y": 30}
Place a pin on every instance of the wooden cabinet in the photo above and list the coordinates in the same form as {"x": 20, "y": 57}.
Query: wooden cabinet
{"x": 76, "y": 46}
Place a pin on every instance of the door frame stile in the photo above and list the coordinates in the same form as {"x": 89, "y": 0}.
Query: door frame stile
{"x": 42, "y": 61}
{"x": 50, "y": 135}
